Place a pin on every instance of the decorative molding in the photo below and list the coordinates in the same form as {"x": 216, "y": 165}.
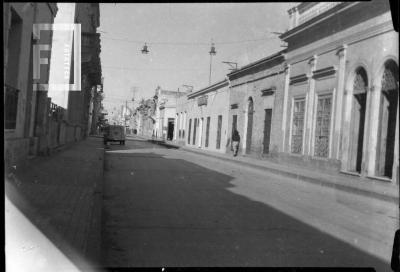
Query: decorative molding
{"x": 269, "y": 91}
{"x": 202, "y": 100}
{"x": 341, "y": 51}
{"x": 312, "y": 61}
{"x": 298, "y": 79}
{"x": 259, "y": 78}
{"x": 324, "y": 72}
{"x": 332, "y": 44}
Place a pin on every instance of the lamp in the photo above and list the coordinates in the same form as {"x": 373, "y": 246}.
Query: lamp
{"x": 212, "y": 53}
{"x": 145, "y": 50}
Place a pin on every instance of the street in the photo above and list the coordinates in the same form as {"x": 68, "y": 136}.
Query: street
{"x": 167, "y": 207}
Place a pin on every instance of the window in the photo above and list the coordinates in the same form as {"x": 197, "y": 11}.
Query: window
{"x": 322, "y": 128}
{"x": 219, "y": 131}
{"x": 298, "y": 126}
{"x": 11, "y": 106}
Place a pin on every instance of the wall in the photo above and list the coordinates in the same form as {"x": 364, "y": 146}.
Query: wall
{"x": 368, "y": 45}
{"x": 251, "y": 84}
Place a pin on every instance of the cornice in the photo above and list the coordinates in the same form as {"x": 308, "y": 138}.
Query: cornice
{"x": 298, "y": 79}
{"x": 208, "y": 89}
{"x": 258, "y": 78}
{"x": 321, "y": 17}
{"x": 324, "y": 47}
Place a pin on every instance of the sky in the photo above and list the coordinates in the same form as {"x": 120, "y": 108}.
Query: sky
{"x": 179, "y": 38}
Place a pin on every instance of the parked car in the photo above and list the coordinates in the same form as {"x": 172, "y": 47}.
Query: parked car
{"x": 114, "y": 133}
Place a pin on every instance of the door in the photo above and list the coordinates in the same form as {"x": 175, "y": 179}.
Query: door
{"x": 207, "y": 131}
{"x": 171, "y": 125}
{"x": 219, "y": 132}
{"x": 190, "y": 128}
{"x": 267, "y": 130}
{"x": 357, "y": 132}
{"x": 194, "y": 131}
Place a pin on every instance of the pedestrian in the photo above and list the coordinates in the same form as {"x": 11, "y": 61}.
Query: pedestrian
{"x": 235, "y": 142}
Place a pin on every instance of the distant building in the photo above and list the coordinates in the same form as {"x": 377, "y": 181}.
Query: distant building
{"x": 165, "y": 113}
{"x": 340, "y": 106}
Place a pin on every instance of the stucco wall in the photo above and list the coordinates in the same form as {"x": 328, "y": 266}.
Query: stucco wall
{"x": 240, "y": 93}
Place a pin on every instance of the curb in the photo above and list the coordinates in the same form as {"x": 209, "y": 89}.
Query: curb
{"x": 301, "y": 177}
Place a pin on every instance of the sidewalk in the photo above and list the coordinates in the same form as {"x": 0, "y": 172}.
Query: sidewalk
{"x": 61, "y": 196}
{"x": 364, "y": 186}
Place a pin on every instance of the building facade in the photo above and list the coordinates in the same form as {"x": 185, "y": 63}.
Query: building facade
{"x": 165, "y": 114}
{"x": 203, "y": 118}
{"x": 255, "y": 105}
{"x": 340, "y": 106}
{"x": 24, "y": 108}
{"x": 33, "y": 123}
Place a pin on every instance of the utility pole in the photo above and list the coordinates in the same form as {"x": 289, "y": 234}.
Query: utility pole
{"x": 126, "y": 107}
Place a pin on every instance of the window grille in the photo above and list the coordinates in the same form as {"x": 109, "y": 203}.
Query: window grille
{"x": 298, "y": 126}
{"x": 322, "y": 128}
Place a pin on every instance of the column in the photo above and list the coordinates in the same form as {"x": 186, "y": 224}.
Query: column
{"x": 309, "y": 120}
{"x": 285, "y": 105}
{"x": 337, "y": 113}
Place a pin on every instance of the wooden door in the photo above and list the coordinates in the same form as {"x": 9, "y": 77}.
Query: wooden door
{"x": 219, "y": 132}
{"x": 267, "y": 130}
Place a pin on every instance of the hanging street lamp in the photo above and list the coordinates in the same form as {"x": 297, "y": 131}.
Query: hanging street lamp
{"x": 145, "y": 50}
{"x": 212, "y": 53}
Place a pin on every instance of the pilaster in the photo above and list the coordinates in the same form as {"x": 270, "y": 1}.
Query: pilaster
{"x": 309, "y": 118}
{"x": 285, "y": 106}
{"x": 339, "y": 105}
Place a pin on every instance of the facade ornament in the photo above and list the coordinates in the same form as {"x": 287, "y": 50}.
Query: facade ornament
{"x": 341, "y": 51}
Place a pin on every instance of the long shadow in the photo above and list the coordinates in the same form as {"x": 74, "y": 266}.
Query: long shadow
{"x": 161, "y": 211}
{"x": 59, "y": 204}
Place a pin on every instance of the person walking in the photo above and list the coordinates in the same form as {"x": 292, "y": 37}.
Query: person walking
{"x": 235, "y": 142}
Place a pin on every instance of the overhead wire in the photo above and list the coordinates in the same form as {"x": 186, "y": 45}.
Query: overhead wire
{"x": 187, "y": 43}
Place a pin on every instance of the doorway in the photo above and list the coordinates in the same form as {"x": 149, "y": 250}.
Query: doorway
{"x": 358, "y": 121}
{"x": 387, "y": 121}
{"x": 170, "y": 132}
{"x": 267, "y": 130}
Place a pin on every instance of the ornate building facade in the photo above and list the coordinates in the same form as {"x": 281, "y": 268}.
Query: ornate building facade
{"x": 340, "y": 108}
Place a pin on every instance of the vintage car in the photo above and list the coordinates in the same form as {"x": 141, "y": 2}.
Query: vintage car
{"x": 114, "y": 133}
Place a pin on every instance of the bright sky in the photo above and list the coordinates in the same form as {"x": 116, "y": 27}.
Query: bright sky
{"x": 179, "y": 39}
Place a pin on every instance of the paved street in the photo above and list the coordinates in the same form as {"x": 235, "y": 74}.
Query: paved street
{"x": 167, "y": 207}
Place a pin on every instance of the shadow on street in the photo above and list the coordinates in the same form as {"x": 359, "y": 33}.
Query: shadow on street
{"x": 161, "y": 211}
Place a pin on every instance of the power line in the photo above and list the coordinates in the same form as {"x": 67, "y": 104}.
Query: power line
{"x": 149, "y": 69}
{"x": 187, "y": 43}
